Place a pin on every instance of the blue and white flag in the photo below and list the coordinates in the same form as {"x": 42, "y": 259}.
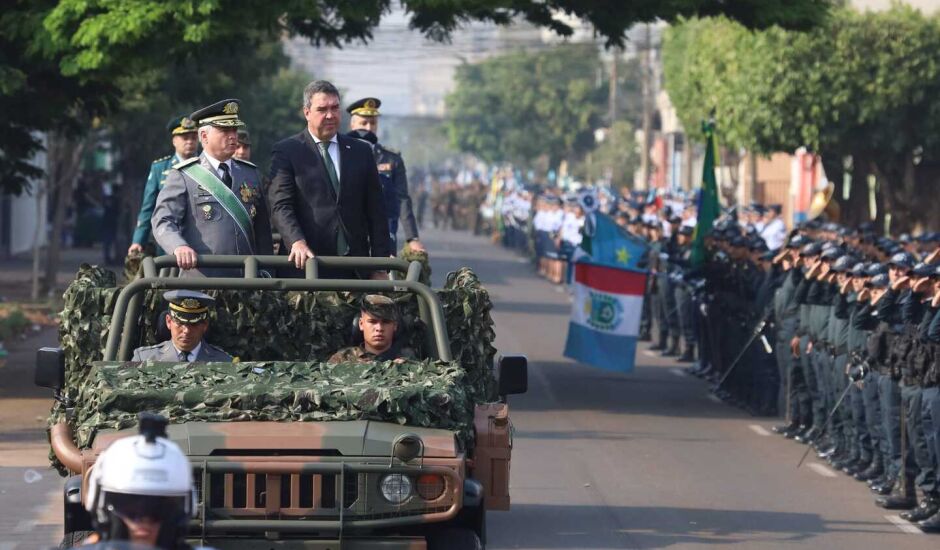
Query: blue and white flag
{"x": 605, "y": 316}
{"x": 606, "y": 243}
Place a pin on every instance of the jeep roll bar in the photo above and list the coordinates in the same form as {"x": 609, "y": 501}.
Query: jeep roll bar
{"x": 124, "y": 319}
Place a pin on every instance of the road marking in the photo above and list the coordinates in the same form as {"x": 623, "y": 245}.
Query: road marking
{"x": 678, "y": 372}
{"x": 713, "y": 397}
{"x": 905, "y": 526}
{"x": 650, "y": 353}
{"x": 758, "y": 429}
{"x": 821, "y": 470}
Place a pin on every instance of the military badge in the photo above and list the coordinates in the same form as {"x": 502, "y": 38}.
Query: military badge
{"x": 231, "y": 108}
{"x": 247, "y": 192}
{"x": 191, "y": 303}
{"x": 252, "y": 211}
{"x": 385, "y": 167}
{"x": 207, "y": 211}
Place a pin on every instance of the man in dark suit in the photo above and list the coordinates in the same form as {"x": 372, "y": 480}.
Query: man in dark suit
{"x": 325, "y": 193}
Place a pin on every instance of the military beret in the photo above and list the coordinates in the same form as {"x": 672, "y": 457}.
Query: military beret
{"x": 223, "y": 114}
{"x": 379, "y": 306}
{"x": 179, "y": 125}
{"x": 367, "y": 106}
{"x": 188, "y": 306}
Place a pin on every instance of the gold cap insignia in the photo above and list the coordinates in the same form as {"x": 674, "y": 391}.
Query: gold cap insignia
{"x": 191, "y": 303}
{"x": 231, "y": 108}
{"x": 370, "y": 104}
{"x": 187, "y": 123}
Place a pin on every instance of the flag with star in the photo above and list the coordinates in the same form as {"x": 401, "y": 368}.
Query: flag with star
{"x": 708, "y": 207}
{"x": 606, "y": 243}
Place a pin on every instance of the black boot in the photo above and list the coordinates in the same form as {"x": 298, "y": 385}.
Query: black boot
{"x": 901, "y": 497}
{"x": 873, "y": 471}
{"x": 925, "y": 509}
{"x": 688, "y": 356}
{"x": 931, "y": 524}
{"x": 661, "y": 344}
{"x": 673, "y": 347}
{"x": 784, "y": 429}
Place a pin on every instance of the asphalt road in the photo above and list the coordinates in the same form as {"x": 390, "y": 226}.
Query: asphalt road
{"x": 601, "y": 460}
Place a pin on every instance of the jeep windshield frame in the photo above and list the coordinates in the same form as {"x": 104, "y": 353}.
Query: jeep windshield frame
{"x": 162, "y": 273}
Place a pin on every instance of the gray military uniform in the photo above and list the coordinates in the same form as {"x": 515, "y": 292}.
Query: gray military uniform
{"x": 167, "y": 352}
{"x": 186, "y": 214}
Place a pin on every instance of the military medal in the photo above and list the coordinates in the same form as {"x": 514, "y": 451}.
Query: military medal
{"x": 207, "y": 211}
{"x": 252, "y": 211}
{"x": 247, "y": 192}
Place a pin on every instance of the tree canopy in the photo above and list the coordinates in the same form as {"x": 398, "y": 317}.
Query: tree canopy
{"x": 864, "y": 86}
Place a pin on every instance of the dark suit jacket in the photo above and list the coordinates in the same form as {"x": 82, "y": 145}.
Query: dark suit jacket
{"x": 304, "y": 205}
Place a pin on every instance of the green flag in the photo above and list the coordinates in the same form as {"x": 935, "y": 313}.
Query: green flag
{"x": 708, "y": 207}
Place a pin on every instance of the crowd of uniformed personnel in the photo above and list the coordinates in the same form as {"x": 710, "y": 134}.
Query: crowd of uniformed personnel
{"x": 836, "y": 329}
{"x": 839, "y": 329}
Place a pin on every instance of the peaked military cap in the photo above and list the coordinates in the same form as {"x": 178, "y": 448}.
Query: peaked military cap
{"x": 859, "y": 269}
{"x": 188, "y": 306}
{"x": 844, "y": 263}
{"x": 223, "y": 114}
{"x": 901, "y": 259}
{"x": 379, "y": 306}
{"x": 180, "y": 125}
{"x": 880, "y": 281}
{"x": 244, "y": 137}
{"x": 367, "y": 106}
{"x": 876, "y": 268}
{"x": 922, "y": 269}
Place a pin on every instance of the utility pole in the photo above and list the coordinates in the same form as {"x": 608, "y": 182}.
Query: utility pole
{"x": 646, "y": 81}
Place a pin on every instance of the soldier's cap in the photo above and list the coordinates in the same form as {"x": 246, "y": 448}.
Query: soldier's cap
{"x": 739, "y": 241}
{"x": 876, "y": 268}
{"x": 188, "y": 306}
{"x": 364, "y": 135}
{"x": 379, "y": 306}
{"x": 936, "y": 272}
{"x": 775, "y": 208}
{"x": 844, "y": 263}
{"x": 222, "y": 114}
{"x": 811, "y": 249}
{"x": 904, "y": 238}
{"x": 831, "y": 253}
{"x": 922, "y": 269}
{"x": 902, "y": 260}
{"x": 179, "y": 125}
{"x": 757, "y": 245}
{"x": 880, "y": 281}
{"x": 244, "y": 137}
{"x": 797, "y": 241}
{"x": 858, "y": 270}
{"x": 367, "y": 106}
{"x": 686, "y": 230}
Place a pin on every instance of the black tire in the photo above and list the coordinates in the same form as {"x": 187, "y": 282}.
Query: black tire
{"x": 74, "y": 538}
{"x": 455, "y": 538}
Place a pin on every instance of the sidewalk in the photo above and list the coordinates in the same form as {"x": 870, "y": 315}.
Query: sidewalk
{"x": 16, "y": 273}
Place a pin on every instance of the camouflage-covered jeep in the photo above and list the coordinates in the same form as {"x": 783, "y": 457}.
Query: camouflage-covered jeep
{"x": 289, "y": 452}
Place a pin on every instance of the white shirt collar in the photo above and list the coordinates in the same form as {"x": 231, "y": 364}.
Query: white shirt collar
{"x": 318, "y": 140}
{"x": 193, "y": 353}
{"x": 216, "y": 162}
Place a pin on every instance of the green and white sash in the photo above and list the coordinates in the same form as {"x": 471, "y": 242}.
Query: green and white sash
{"x": 226, "y": 197}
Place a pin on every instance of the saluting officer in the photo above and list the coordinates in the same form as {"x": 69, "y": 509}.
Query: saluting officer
{"x": 398, "y": 208}
{"x": 185, "y": 142}
{"x": 213, "y": 204}
{"x": 188, "y": 320}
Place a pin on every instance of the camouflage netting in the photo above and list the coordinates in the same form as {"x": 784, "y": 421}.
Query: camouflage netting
{"x": 277, "y": 326}
{"x": 414, "y": 393}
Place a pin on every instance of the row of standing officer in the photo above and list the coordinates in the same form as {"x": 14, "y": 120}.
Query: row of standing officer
{"x": 857, "y": 334}
{"x": 192, "y": 214}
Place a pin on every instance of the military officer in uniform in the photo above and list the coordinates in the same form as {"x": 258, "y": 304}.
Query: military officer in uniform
{"x": 188, "y": 321}
{"x": 243, "y": 151}
{"x": 378, "y": 322}
{"x": 213, "y": 204}
{"x": 365, "y": 116}
{"x": 185, "y": 142}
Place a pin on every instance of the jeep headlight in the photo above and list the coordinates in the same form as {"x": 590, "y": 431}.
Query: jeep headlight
{"x": 396, "y": 488}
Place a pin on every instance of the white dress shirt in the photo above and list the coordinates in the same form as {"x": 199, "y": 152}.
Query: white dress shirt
{"x": 214, "y": 162}
{"x": 191, "y": 354}
{"x": 334, "y": 152}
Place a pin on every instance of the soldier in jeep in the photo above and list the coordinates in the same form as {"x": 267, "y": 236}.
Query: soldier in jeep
{"x": 188, "y": 321}
{"x": 377, "y": 325}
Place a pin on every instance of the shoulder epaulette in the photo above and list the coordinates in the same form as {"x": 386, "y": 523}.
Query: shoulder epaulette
{"x": 244, "y": 162}
{"x": 185, "y": 163}
{"x": 161, "y": 159}
{"x": 392, "y": 151}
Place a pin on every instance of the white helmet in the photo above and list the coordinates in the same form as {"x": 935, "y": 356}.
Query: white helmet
{"x": 142, "y": 475}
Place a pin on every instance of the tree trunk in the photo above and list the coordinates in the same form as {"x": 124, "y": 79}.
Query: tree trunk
{"x": 37, "y": 238}
{"x": 64, "y": 159}
{"x": 646, "y": 84}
